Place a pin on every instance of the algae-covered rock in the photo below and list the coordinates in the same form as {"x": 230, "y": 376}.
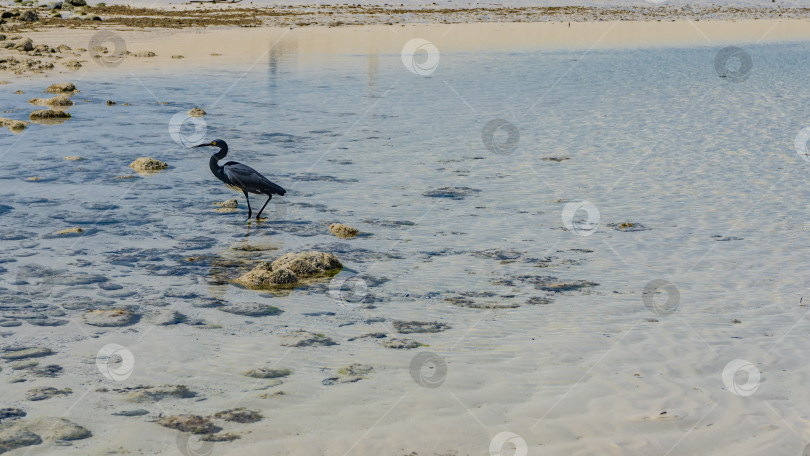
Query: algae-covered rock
{"x": 24, "y": 353}
{"x": 147, "y": 164}
{"x": 409, "y": 327}
{"x": 306, "y": 264}
{"x": 141, "y": 394}
{"x": 112, "y": 317}
{"x": 58, "y": 429}
{"x": 11, "y": 413}
{"x": 196, "y": 112}
{"x": 74, "y": 230}
{"x": 264, "y": 276}
{"x": 15, "y": 126}
{"x": 194, "y": 424}
{"x": 230, "y": 204}
{"x": 343, "y": 231}
{"x": 17, "y": 437}
{"x": 266, "y": 372}
{"x": 302, "y": 338}
{"x": 225, "y": 437}
{"x": 59, "y": 100}
{"x": 401, "y": 344}
{"x": 61, "y": 87}
{"x": 73, "y": 64}
{"x": 559, "y": 287}
{"x": 239, "y": 415}
{"x": 46, "y": 392}
{"x": 48, "y": 114}
{"x": 350, "y": 374}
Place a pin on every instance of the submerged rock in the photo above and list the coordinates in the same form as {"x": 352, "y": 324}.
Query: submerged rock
{"x": 196, "y": 112}
{"x": 51, "y": 370}
{"x": 628, "y": 226}
{"x": 16, "y": 437}
{"x": 409, "y": 327}
{"x": 266, "y": 372}
{"x": 194, "y": 424}
{"x": 239, "y": 415}
{"x": 454, "y": 193}
{"x": 33, "y": 352}
{"x": 135, "y": 412}
{"x": 58, "y": 429}
{"x": 112, "y": 317}
{"x": 559, "y": 287}
{"x": 343, "y": 231}
{"x": 148, "y": 164}
{"x": 251, "y": 309}
{"x": 62, "y": 87}
{"x": 350, "y": 374}
{"x": 226, "y": 437}
{"x": 302, "y": 338}
{"x": 168, "y": 317}
{"x": 11, "y": 413}
{"x": 401, "y": 343}
{"x": 46, "y": 392}
{"x": 156, "y": 393}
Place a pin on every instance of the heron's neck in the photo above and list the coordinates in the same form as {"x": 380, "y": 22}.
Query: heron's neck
{"x": 213, "y": 163}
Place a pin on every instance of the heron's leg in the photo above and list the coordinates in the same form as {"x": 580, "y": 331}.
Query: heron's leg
{"x": 248, "y": 203}
{"x": 269, "y": 197}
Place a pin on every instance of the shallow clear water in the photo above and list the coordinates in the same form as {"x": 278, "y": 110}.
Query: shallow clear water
{"x": 651, "y": 136}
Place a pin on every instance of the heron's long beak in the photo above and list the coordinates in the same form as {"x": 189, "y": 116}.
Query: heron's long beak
{"x": 203, "y": 145}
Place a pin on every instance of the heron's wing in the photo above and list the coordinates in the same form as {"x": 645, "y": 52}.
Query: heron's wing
{"x": 249, "y": 179}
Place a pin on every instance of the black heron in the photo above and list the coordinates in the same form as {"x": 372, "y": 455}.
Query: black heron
{"x": 241, "y": 176}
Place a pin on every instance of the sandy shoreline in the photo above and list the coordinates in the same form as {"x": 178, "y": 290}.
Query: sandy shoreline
{"x": 185, "y": 48}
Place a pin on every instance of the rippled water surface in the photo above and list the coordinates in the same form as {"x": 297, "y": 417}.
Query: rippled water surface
{"x": 646, "y": 136}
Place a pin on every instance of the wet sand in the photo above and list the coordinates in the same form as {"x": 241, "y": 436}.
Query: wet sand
{"x": 248, "y": 46}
